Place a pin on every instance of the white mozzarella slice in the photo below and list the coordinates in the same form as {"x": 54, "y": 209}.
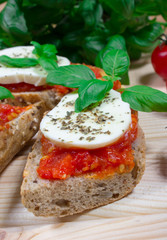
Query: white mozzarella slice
{"x": 96, "y": 128}
{"x": 32, "y": 75}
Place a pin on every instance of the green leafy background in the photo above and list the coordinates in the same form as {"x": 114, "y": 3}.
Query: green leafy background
{"x": 80, "y": 29}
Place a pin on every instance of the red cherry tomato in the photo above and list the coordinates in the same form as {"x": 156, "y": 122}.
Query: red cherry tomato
{"x": 159, "y": 60}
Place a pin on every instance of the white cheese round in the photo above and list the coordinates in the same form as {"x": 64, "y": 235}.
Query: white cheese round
{"x": 32, "y": 75}
{"x": 99, "y": 127}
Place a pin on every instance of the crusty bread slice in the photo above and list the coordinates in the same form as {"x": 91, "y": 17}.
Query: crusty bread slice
{"x": 76, "y": 194}
{"x": 49, "y": 97}
{"x": 20, "y": 131}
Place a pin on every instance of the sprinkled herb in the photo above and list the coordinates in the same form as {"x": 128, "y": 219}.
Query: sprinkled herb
{"x": 89, "y": 139}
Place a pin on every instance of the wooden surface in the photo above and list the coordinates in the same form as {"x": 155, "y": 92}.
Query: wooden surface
{"x": 140, "y": 215}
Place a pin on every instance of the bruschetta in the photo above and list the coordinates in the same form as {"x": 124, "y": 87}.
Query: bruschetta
{"x": 83, "y": 160}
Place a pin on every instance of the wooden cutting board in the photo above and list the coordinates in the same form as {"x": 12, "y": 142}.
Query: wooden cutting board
{"x": 140, "y": 215}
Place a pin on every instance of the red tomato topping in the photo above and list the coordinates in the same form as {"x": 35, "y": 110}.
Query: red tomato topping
{"x": 61, "y": 89}
{"x": 23, "y": 87}
{"x": 99, "y": 73}
{"x": 117, "y": 85}
{"x": 26, "y": 87}
{"x": 59, "y": 163}
{"x": 8, "y": 113}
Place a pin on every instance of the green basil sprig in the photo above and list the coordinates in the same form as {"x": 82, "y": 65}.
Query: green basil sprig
{"x": 91, "y": 90}
{"x": 46, "y": 57}
{"x": 48, "y": 64}
{"x": 46, "y": 50}
{"x": 114, "y": 58}
{"x": 145, "y": 99}
{"x": 5, "y": 93}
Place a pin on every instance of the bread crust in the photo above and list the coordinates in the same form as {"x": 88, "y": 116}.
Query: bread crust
{"x": 49, "y": 97}
{"x": 20, "y": 131}
{"x": 76, "y": 194}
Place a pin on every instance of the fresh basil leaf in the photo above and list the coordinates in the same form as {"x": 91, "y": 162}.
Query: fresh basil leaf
{"x": 116, "y": 62}
{"x": 144, "y": 39}
{"x": 48, "y": 64}
{"x": 46, "y": 50}
{"x": 98, "y": 14}
{"x": 18, "y": 62}
{"x": 117, "y": 24}
{"x": 91, "y": 13}
{"x": 5, "y": 93}
{"x": 70, "y": 76}
{"x": 137, "y": 22}
{"x": 49, "y": 51}
{"x": 86, "y": 10}
{"x": 91, "y": 46}
{"x": 13, "y": 22}
{"x": 37, "y": 48}
{"x": 145, "y": 99}
{"x": 149, "y": 7}
{"x": 91, "y": 92}
{"x": 115, "y": 42}
{"x": 123, "y": 7}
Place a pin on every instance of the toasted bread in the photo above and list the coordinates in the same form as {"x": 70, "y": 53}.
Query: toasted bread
{"x": 49, "y": 97}
{"x": 20, "y": 130}
{"x": 76, "y": 194}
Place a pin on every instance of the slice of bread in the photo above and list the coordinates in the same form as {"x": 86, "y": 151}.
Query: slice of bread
{"x": 20, "y": 131}
{"x": 76, "y": 194}
{"x": 49, "y": 97}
